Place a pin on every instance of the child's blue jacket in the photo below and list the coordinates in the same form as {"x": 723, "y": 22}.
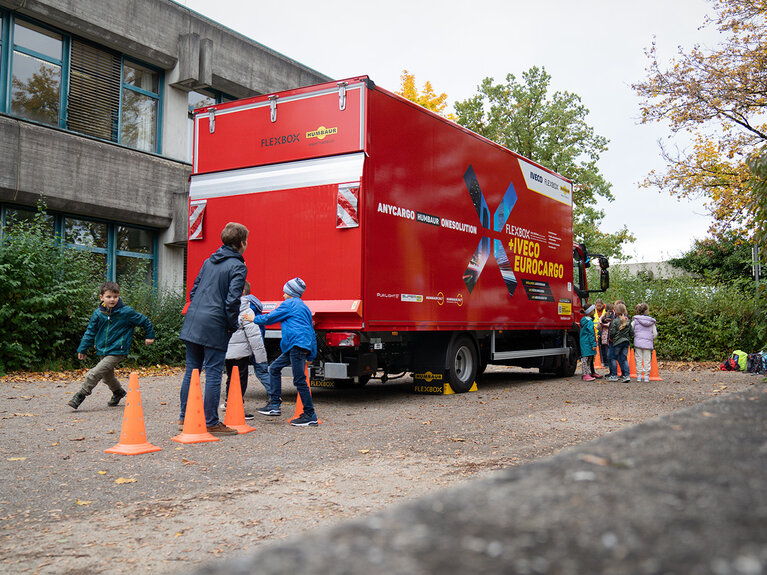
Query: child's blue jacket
{"x": 112, "y": 331}
{"x": 296, "y": 324}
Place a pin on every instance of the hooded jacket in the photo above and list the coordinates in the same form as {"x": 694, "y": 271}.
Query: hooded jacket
{"x": 588, "y": 339}
{"x": 214, "y": 301}
{"x": 111, "y": 331}
{"x": 246, "y": 341}
{"x": 645, "y": 331}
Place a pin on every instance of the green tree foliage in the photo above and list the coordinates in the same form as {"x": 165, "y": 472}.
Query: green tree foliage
{"x": 45, "y": 295}
{"x": 697, "y": 321}
{"x": 724, "y": 258}
{"x": 717, "y": 96}
{"x": 550, "y": 129}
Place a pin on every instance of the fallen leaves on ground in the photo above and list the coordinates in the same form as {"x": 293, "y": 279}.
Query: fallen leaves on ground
{"x": 121, "y": 480}
{"x": 78, "y": 374}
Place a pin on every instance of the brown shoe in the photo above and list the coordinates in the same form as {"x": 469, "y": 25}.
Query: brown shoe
{"x": 181, "y": 425}
{"x": 221, "y": 429}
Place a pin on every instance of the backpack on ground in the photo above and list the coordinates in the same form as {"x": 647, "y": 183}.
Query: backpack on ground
{"x": 755, "y": 363}
{"x": 729, "y": 364}
{"x": 741, "y": 357}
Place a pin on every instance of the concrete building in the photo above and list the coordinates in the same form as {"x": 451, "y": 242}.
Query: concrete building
{"x": 95, "y": 101}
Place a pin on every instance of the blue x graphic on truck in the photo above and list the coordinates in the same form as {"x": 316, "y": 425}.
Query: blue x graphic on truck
{"x": 502, "y": 213}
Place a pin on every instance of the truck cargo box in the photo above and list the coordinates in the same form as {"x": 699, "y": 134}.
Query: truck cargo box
{"x": 397, "y": 219}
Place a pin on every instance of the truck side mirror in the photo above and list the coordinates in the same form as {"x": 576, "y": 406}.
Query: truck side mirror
{"x": 604, "y": 279}
{"x": 604, "y": 263}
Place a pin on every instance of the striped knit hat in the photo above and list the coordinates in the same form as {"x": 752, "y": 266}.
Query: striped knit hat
{"x": 294, "y": 287}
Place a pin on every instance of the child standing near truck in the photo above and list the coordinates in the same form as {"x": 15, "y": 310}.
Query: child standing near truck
{"x": 245, "y": 343}
{"x": 621, "y": 333}
{"x": 588, "y": 345}
{"x": 298, "y": 345}
{"x": 645, "y": 332}
{"x": 110, "y": 329}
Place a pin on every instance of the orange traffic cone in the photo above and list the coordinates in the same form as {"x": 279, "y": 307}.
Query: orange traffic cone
{"x": 632, "y": 364}
{"x": 195, "y": 430}
{"x": 654, "y": 375}
{"x": 299, "y": 403}
{"x": 235, "y": 410}
{"x": 133, "y": 437}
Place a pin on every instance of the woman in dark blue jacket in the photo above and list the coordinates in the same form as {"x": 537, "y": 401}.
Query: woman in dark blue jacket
{"x": 212, "y": 318}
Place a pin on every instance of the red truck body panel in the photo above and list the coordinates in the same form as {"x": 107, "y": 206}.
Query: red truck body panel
{"x": 453, "y": 232}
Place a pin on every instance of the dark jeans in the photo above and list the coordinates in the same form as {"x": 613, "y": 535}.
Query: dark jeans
{"x": 620, "y": 355}
{"x": 296, "y": 358}
{"x": 213, "y": 359}
{"x": 604, "y": 355}
{"x": 242, "y": 365}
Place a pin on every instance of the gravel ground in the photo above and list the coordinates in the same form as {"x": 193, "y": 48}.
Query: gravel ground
{"x": 68, "y": 507}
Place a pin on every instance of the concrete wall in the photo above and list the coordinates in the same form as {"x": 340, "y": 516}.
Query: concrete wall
{"x": 89, "y": 177}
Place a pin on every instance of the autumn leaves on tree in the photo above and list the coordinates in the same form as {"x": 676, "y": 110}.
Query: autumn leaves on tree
{"x": 718, "y": 97}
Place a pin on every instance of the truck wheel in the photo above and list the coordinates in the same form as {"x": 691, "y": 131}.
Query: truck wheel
{"x": 463, "y": 364}
{"x": 569, "y": 363}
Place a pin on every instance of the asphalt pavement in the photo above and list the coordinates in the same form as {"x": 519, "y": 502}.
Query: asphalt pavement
{"x": 684, "y": 493}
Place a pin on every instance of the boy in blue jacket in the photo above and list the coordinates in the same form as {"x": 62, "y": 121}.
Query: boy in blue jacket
{"x": 110, "y": 329}
{"x": 298, "y": 345}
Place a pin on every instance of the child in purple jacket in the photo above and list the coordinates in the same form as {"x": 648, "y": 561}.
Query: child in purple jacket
{"x": 645, "y": 332}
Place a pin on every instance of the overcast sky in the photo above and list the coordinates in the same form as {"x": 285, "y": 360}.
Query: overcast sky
{"x": 593, "y": 48}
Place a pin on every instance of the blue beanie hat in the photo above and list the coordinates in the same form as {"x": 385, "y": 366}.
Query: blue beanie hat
{"x": 294, "y": 287}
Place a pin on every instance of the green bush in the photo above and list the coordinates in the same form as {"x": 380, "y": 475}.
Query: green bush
{"x": 45, "y": 295}
{"x": 697, "y": 320}
{"x": 163, "y": 308}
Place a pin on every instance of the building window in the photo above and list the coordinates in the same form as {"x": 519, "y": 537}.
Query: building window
{"x": 135, "y": 253}
{"x": 36, "y": 79}
{"x": 140, "y": 107}
{"x": 50, "y": 77}
{"x": 94, "y": 91}
{"x": 120, "y": 250}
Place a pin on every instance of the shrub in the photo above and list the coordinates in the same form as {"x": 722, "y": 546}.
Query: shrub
{"x": 163, "y": 308}
{"x": 697, "y": 320}
{"x": 45, "y": 295}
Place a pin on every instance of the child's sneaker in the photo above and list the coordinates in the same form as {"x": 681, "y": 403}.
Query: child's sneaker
{"x": 626, "y": 379}
{"x": 612, "y": 378}
{"x": 249, "y": 416}
{"x": 76, "y": 400}
{"x": 646, "y": 378}
{"x": 270, "y": 410}
{"x": 596, "y": 376}
{"x": 304, "y": 420}
{"x": 587, "y": 377}
{"x": 116, "y": 397}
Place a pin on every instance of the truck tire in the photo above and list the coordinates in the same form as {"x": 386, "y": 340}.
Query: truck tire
{"x": 462, "y": 364}
{"x": 569, "y": 362}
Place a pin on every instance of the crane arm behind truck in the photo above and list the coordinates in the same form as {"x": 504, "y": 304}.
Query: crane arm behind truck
{"x": 426, "y": 248}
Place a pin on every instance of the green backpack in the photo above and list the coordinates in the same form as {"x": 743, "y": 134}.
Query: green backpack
{"x": 741, "y": 357}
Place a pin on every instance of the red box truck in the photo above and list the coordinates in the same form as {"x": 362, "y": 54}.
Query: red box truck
{"x": 426, "y": 248}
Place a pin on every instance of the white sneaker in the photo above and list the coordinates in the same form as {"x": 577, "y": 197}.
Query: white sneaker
{"x": 646, "y": 378}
